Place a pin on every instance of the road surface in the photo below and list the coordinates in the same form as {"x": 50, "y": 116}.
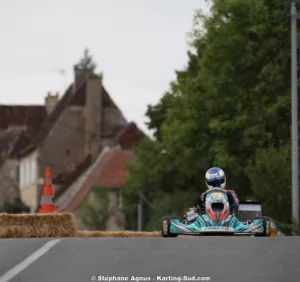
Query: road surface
{"x": 222, "y": 259}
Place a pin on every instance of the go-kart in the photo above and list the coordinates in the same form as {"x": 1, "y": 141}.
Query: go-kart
{"x": 216, "y": 220}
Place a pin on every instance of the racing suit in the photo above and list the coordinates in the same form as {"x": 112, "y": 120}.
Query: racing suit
{"x": 199, "y": 206}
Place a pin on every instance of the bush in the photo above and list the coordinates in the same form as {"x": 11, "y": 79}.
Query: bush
{"x": 15, "y": 207}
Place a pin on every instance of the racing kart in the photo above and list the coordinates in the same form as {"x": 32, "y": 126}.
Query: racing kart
{"x": 216, "y": 220}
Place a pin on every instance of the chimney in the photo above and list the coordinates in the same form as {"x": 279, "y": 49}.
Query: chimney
{"x": 51, "y": 102}
{"x": 79, "y": 75}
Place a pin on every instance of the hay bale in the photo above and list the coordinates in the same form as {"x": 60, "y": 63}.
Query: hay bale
{"x": 86, "y": 233}
{"x": 37, "y": 225}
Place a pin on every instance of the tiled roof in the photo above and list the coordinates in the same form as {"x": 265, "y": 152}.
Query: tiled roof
{"x": 80, "y": 98}
{"x": 8, "y": 140}
{"x": 107, "y": 101}
{"x": 129, "y": 136}
{"x": 21, "y": 146}
{"x": 30, "y": 117}
{"x": 114, "y": 172}
{"x": 70, "y": 97}
{"x": 109, "y": 173}
{"x": 61, "y": 105}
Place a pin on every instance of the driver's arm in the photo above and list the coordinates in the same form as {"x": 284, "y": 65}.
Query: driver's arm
{"x": 230, "y": 198}
{"x": 200, "y": 200}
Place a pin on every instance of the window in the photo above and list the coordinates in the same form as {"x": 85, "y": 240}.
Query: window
{"x": 18, "y": 174}
{"x": 26, "y": 171}
{"x": 33, "y": 171}
{"x": 22, "y": 172}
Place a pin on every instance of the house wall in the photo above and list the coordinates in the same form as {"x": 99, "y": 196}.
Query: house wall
{"x": 63, "y": 148}
{"x": 9, "y": 190}
{"x": 9, "y": 169}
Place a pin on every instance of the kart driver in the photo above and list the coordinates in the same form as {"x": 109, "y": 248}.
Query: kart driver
{"x": 214, "y": 178}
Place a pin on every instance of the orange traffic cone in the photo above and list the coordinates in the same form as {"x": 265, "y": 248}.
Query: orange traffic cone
{"x": 47, "y": 204}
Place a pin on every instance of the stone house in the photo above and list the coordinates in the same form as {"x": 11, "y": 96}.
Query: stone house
{"x": 78, "y": 121}
{"x": 72, "y": 141}
{"x": 74, "y": 135}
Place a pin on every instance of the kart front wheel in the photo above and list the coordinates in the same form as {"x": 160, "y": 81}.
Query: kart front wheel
{"x": 266, "y": 225}
{"x": 165, "y": 227}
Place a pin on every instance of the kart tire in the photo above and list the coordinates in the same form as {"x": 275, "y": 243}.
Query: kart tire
{"x": 165, "y": 227}
{"x": 266, "y": 225}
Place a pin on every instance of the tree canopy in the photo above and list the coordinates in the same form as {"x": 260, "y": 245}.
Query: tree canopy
{"x": 230, "y": 107}
{"x": 86, "y": 63}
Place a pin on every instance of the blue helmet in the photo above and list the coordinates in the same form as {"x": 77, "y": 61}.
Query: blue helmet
{"x": 215, "y": 178}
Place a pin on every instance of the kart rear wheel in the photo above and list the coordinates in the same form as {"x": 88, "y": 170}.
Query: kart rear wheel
{"x": 165, "y": 227}
{"x": 266, "y": 225}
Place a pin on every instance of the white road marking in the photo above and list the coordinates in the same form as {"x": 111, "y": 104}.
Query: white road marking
{"x": 28, "y": 261}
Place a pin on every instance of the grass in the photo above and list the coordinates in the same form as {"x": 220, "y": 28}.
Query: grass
{"x": 37, "y": 225}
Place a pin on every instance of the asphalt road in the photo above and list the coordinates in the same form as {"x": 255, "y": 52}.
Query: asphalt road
{"x": 222, "y": 259}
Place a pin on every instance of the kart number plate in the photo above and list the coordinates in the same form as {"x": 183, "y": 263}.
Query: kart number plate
{"x": 217, "y": 228}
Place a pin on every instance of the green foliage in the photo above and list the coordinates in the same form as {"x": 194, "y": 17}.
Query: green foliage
{"x": 229, "y": 108}
{"x": 287, "y": 229}
{"x": 142, "y": 176}
{"x": 157, "y": 114}
{"x": 270, "y": 176}
{"x": 96, "y": 210}
{"x": 15, "y": 207}
{"x": 86, "y": 63}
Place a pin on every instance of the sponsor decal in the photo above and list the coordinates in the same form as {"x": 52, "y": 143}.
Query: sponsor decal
{"x": 217, "y": 196}
{"x": 217, "y": 228}
{"x": 255, "y": 228}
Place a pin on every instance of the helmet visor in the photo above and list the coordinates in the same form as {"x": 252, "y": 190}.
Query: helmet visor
{"x": 215, "y": 183}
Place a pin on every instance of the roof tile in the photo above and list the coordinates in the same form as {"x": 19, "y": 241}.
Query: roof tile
{"x": 129, "y": 136}
{"x": 29, "y": 117}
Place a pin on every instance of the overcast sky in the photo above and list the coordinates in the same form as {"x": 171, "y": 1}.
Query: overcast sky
{"x": 137, "y": 44}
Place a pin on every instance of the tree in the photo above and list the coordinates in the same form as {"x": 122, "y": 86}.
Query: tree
{"x": 86, "y": 63}
{"x": 96, "y": 210}
{"x": 228, "y": 108}
{"x": 227, "y": 114}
